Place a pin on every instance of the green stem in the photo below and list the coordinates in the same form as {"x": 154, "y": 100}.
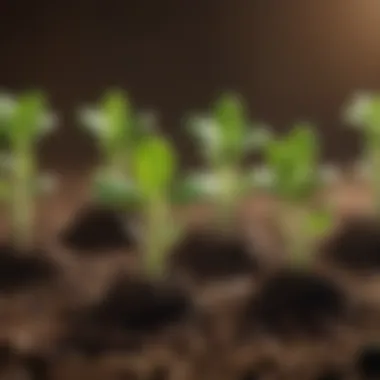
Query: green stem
{"x": 229, "y": 196}
{"x": 298, "y": 239}
{"x": 22, "y": 203}
{"x": 155, "y": 238}
{"x": 375, "y": 163}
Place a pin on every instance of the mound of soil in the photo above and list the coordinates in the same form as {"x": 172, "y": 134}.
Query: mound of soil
{"x": 296, "y": 302}
{"x": 331, "y": 374}
{"x": 22, "y": 270}
{"x": 210, "y": 255}
{"x": 356, "y": 246}
{"x": 97, "y": 229}
{"x": 130, "y": 311}
{"x": 368, "y": 362}
{"x": 37, "y": 367}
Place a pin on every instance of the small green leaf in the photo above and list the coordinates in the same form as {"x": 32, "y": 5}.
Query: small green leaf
{"x": 293, "y": 160}
{"x": 30, "y": 118}
{"x": 230, "y": 115}
{"x": 93, "y": 120}
{"x": 154, "y": 164}
{"x": 114, "y": 191}
{"x": 363, "y": 111}
{"x": 193, "y": 189}
{"x": 118, "y": 113}
{"x": 257, "y": 138}
{"x": 208, "y": 135}
{"x": 319, "y": 222}
{"x": 7, "y": 109}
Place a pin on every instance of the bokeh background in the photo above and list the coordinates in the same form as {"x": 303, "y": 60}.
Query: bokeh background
{"x": 291, "y": 59}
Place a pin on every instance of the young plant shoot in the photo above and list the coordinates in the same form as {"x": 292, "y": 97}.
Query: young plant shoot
{"x": 292, "y": 173}
{"x": 363, "y": 113}
{"x": 117, "y": 128}
{"x": 225, "y": 137}
{"x": 154, "y": 173}
{"x": 23, "y": 121}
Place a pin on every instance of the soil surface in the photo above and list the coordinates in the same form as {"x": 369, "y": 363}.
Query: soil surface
{"x": 298, "y": 323}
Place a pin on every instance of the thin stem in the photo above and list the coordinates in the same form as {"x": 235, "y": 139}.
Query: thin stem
{"x": 375, "y": 162}
{"x": 298, "y": 239}
{"x": 155, "y": 239}
{"x": 229, "y": 196}
{"x": 22, "y": 202}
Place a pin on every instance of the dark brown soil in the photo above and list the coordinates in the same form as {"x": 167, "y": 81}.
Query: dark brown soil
{"x": 96, "y": 229}
{"x": 211, "y": 255}
{"x": 142, "y": 306}
{"x": 295, "y": 302}
{"x": 368, "y": 362}
{"x": 331, "y": 375}
{"x": 22, "y": 270}
{"x": 356, "y": 246}
{"x": 131, "y": 311}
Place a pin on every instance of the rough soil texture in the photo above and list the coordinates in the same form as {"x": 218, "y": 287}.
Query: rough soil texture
{"x": 87, "y": 315}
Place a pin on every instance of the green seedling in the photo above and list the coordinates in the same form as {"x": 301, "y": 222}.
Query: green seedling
{"x": 155, "y": 167}
{"x": 225, "y": 137}
{"x": 293, "y": 175}
{"x": 154, "y": 186}
{"x": 23, "y": 122}
{"x": 117, "y": 128}
{"x": 363, "y": 113}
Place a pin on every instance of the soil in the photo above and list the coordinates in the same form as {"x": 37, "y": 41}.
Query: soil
{"x": 295, "y": 302}
{"x": 23, "y": 269}
{"x": 133, "y": 313}
{"x": 95, "y": 230}
{"x": 368, "y": 362}
{"x": 206, "y": 254}
{"x": 356, "y": 246}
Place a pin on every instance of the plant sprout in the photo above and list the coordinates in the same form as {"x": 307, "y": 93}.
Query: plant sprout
{"x": 117, "y": 128}
{"x": 293, "y": 174}
{"x": 363, "y": 112}
{"x": 23, "y": 121}
{"x": 225, "y": 138}
{"x": 154, "y": 186}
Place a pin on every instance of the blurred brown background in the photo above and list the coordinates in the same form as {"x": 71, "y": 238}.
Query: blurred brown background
{"x": 291, "y": 59}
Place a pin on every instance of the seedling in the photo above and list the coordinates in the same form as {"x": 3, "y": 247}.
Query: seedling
{"x": 293, "y": 174}
{"x": 23, "y": 121}
{"x": 117, "y": 128}
{"x": 225, "y": 138}
{"x": 363, "y": 113}
{"x": 154, "y": 186}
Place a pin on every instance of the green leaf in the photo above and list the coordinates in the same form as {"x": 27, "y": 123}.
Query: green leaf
{"x": 293, "y": 160}
{"x": 114, "y": 191}
{"x": 118, "y": 115}
{"x": 208, "y": 135}
{"x": 30, "y": 118}
{"x": 257, "y": 138}
{"x": 318, "y": 223}
{"x": 193, "y": 189}
{"x": 230, "y": 115}
{"x": 7, "y": 109}
{"x": 363, "y": 111}
{"x": 154, "y": 165}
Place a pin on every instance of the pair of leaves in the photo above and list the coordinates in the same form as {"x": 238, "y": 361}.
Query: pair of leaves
{"x": 154, "y": 166}
{"x": 115, "y": 123}
{"x": 363, "y": 111}
{"x": 225, "y": 135}
{"x": 23, "y": 120}
{"x": 292, "y": 163}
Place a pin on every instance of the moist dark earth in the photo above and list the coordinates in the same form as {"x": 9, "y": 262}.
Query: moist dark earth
{"x": 140, "y": 329}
